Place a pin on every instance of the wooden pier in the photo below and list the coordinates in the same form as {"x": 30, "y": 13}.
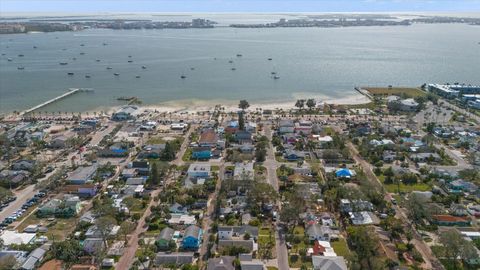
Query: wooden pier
{"x": 71, "y": 91}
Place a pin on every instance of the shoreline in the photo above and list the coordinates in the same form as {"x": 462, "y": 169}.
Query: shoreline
{"x": 189, "y": 106}
{"x": 196, "y": 105}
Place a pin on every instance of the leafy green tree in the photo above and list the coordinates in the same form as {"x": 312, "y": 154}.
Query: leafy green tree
{"x": 365, "y": 243}
{"x": 243, "y": 104}
{"x": 260, "y": 155}
{"x": 241, "y": 121}
{"x": 300, "y": 103}
{"x": 68, "y": 251}
{"x": 154, "y": 177}
{"x": 455, "y": 246}
{"x": 311, "y": 103}
{"x": 168, "y": 154}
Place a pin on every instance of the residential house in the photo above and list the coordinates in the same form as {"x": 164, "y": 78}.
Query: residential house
{"x": 423, "y": 157}
{"x": 35, "y": 257}
{"x": 251, "y": 264}
{"x": 26, "y": 165}
{"x": 238, "y": 236}
{"x": 14, "y": 238}
{"x": 362, "y": 218}
{"x": 81, "y": 175}
{"x": 221, "y": 263}
{"x": 173, "y": 258}
{"x": 323, "y": 248}
{"x": 192, "y": 238}
{"x": 458, "y": 186}
{"x": 448, "y": 220}
{"x": 177, "y": 208}
{"x": 347, "y": 206}
{"x": 208, "y": 138}
{"x": 286, "y": 126}
{"x": 232, "y": 232}
{"x": 93, "y": 245}
{"x": 59, "y": 141}
{"x": 125, "y": 113}
{"x": 293, "y": 155}
{"x": 181, "y": 219}
{"x": 201, "y": 153}
{"x": 320, "y": 232}
{"x": 303, "y": 127}
{"x": 345, "y": 173}
{"x": 151, "y": 151}
{"x": 163, "y": 239}
{"x": 142, "y": 167}
{"x": 329, "y": 263}
{"x": 199, "y": 170}
{"x": 458, "y": 210}
{"x": 243, "y": 137}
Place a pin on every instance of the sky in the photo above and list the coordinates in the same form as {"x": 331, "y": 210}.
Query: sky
{"x": 238, "y": 5}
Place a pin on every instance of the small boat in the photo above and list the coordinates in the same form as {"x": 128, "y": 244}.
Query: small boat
{"x": 87, "y": 76}
{"x": 239, "y": 55}
{"x": 82, "y": 53}
{"x": 74, "y": 58}
{"x": 183, "y": 76}
{"x": 144, "y": 67}
{"x": 138, "y": 76}
{"x": 116, "y": 74}
{"x": 276, "y": 77}
{"x": 269, "y": 59}
{"x": 63, "y": 63}
{"x": 192, "y": 68}
{"x": 9, "y": 59}
{"x": 34, "y": 47}
{"x": 230, "y": 61}
{"x": 70, "y": 73}
{"x": 233, "y": 69}
{"x": 20, "y": 68}
{"x": 130, "y": 61}
{"x": 273, "y": 72}
{"x": 105, "y": 44}
{"x": 82, "y": 45}
{"x": 109, "y": 67}
{"x": 98, "y": 60}
{"x": 3, "y": 54}
{"x": 20, "y": 55}
{"x": 129, "y": 56}
{"x": 64, "y": 49}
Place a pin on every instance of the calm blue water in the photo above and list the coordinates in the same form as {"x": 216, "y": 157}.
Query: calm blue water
{"x": 314, "y": 62}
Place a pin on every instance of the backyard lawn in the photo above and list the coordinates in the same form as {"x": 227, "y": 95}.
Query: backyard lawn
{"x": 394, "y": 188}
{"x": 340, "y": 247}
{"x": 58, "y": 229}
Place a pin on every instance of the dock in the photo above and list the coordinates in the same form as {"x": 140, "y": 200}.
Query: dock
{"x": 71, "y": 91}
{"x": 364, "y": 92}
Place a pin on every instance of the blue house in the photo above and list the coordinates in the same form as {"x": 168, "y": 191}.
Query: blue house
{"x": 344, "y": 173}
{"x": 201, "y": 153}
{"x": 192, "y": 238}
{"x": 292, "y": 155}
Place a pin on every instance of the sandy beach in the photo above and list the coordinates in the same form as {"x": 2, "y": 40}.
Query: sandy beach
{"x": 196, "y": 105}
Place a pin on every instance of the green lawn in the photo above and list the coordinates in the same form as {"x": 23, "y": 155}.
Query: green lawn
{"x": 134, "y": 204}
{"x": 188, "y": 155}
{"x": 386, "y": 91}
{"x": 58, "y": 229}
{"x": 299, "y": 231}
{"x": 340, "y": 247}
{"x": 394, "y": 188}
{"x": 155, "y": 140}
